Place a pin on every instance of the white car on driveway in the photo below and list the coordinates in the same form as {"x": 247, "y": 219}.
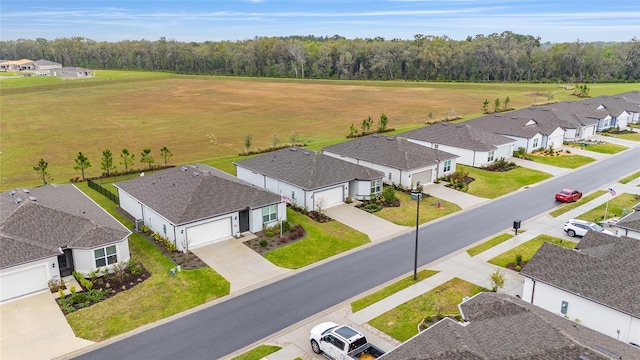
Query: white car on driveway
{"x": 575, "y": 227}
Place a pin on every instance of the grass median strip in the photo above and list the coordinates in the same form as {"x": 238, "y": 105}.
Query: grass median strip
{"x": 485, "y": 181}
{"x": 615, "y": 208}
{"x": 488, "y": 244}
{"x": 322, "y": 241}
{"x": 568, "y": 207}
{"x": 629, "y": 178}
{"x": 402, "y": 322}
{"x": 528, "y": 249}
{"x": 258, "y": 353}
{"x": 390, "y": 290}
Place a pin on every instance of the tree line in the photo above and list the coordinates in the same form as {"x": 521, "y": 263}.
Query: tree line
{"x": 107, "y": 164}
{"x": 505, "y": 57}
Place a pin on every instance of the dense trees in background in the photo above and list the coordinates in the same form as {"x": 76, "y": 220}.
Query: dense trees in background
{"x": 496, "y": 57}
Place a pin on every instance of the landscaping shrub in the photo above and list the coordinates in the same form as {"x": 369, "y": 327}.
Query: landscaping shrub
{"x": 372, "y": 207}
{"x": 501, "y": 165}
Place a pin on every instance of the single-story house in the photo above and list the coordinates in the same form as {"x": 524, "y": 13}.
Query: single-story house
{"x": 633, "y": 100}
{"x": 310, "y": 179}
{"x": 48, "y": 232}
{"x": 531, "y": 128}
{"x": 72, "y": 72}
{"x": 46, "y": 65}
{"x": 596, "y": 284}
{"x": 403, "y": 162}
{"x": 630, "y": 224}
{"x": 195, "y": 205}
{"x": 501, "y": 327}
{"x": 473, "y": 146}
{"x": 608, "y": 112}
{"x": 17, "y": 65}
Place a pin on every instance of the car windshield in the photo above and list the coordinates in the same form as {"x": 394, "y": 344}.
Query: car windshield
{"x": 596, "y": 227}
{"x": 565, "y": 192}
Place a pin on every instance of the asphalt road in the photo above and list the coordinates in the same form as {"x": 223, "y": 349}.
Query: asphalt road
{"x": 233, "y": 324}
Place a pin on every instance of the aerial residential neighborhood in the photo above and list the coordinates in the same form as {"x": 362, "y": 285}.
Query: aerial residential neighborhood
{"x": 195, "y": 206}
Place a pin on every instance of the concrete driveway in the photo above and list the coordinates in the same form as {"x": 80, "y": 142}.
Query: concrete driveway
{"x": 237, "y": 263}
{"x": 34, "y": 328}
{"x": 376, "y": 228}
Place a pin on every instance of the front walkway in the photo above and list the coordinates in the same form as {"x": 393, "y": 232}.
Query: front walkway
{"x": 549, "y": 169}
{"x": 35, "y": 328}
{"x": 376, "y": 228}
{"x": 237, "y": 263}
{"x": 460, "y": 198}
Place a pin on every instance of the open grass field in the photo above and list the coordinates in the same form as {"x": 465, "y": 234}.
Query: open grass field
{"x": 206, "y": 118}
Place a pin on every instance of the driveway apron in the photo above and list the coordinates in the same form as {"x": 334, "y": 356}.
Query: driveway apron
{"x": 34, "y": 328}
{"x": 237, "y": 263}
{"x": 376, "y": 228}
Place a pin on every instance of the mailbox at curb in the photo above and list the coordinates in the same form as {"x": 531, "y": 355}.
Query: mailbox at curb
{"x": 516, "y": 225}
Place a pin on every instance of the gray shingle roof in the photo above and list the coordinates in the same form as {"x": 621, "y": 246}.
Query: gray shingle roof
{"x": 524, "y": 123}
{"x": 390, "y": 151}
{"x": 500, "y": 326}
{"x": 631, "y": 221}
{"x": 599, "y": 271}
{"x": 194, "y": 192}
{"x": 459, "y": 135}
{"x": 308, "y": 170}
{"x": 59, "y": 216}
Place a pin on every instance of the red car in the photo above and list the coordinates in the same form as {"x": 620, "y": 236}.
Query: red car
{"x": 568, "y": 195}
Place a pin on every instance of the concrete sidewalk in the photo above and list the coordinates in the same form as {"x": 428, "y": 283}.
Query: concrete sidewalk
{"x": 376, "y": 228}
{"x": 549, "y": 169}
{"x": 462, "y": 199}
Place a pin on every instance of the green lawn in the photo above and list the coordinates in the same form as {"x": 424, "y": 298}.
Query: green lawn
{"x": 492, "y": 184}
{"x": 563, "y": 161}
{"x": 258, "y": 353}
{"x": 402, "y": 322}
{"x": 630, "y": 177}
{"x": 488, "y": 244}
{"x": 615, "y": 208}
{"x": 632, "y": 137}
{"x": 322, "y": 241}
{"x": 405, "y": 214}
{"x": 390, "y": 290}
{"x": 528, "y": 249}
{"x": 568, "y": 207}
{"x": 156, "y": 298}
{"x": 607, "y": 148}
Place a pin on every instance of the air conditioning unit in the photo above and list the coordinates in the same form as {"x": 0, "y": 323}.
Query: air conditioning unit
{"x": 139, "y": 223}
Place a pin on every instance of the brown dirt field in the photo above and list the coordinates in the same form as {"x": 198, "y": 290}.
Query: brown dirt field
{"x": 204, "y": 118}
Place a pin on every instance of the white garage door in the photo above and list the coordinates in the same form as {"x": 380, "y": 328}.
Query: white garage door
{"x": 209, "y": 232}
{"x": 331, "y": 197}
{"x": 424, "y": 177}
{"x": 23, "y": 282}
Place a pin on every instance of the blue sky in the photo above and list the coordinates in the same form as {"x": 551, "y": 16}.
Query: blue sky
{"x": 205, "y": 20}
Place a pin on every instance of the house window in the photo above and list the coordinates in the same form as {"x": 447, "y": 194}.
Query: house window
{"x": 535, "y": 143}
{"x": 491, "y": 156}
{"x": 293, "y": 195}
{"x": 164, "y": 228}
{"x": 105, "y": 256}
{"x": 269, "y": 214}
{"x": 446, "y": 166}
{"x": 376, "y": 186}
{"x": 389, "y": 176}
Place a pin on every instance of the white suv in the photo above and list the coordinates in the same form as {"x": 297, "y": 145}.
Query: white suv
{"x": 576, "y": 227}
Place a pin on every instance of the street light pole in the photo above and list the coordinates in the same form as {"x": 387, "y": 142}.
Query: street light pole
{"x": 415, "y": 256}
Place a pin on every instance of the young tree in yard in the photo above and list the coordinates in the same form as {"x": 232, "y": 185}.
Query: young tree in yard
{"x": 166, "y": 154}
{"x": 497, "y": 279}
{"x": 274, "y": 140}
{"x": 106, "y": 164}
{"x": 485, "y": 106}
{"x": 126, "y": 159}
{"x": 382, "y": 123}
{"x": 366, "y": 125}
{"x": 247, "y": 141}
{"x": 82, "y": 162}
{"x": 293, "y": 138}
{"x": 507, "y": 100}
{"x": 353, "y": 132}
{"x": 496, "y": 105}
{"x": 41, "y": 170}
{"x": 146, "y": 158}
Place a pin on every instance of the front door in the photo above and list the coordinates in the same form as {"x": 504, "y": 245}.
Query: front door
{"x": 244, "y": 220}
{"x": 65, "y": 261}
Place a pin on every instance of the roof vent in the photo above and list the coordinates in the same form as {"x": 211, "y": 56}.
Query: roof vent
{"x": 514, "y": 117}
{"x": 376, "y": 135}
{"x": 307, "y": 153}
{"x": 444, "y": 124}
{"x": 496, "y": 115}
{"x": 18, "y": 200}
{"x": 195, "y": 173}
{"x": 184, "y": 168}
{"x": 293, "y": 149}
{"x": 545, "y": 109}
{"x": 458, "y": 126}
{"x": 26, "y": 191}
{"x": 32, "y": 198}
{"x": 389, "y": 138}
{"x": 12, "y": 192}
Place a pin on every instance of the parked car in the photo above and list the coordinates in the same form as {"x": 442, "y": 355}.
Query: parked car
{"x": 576, "y": 227}
{"x": 568, "y": 195}
{"x": 341, "y": 342}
